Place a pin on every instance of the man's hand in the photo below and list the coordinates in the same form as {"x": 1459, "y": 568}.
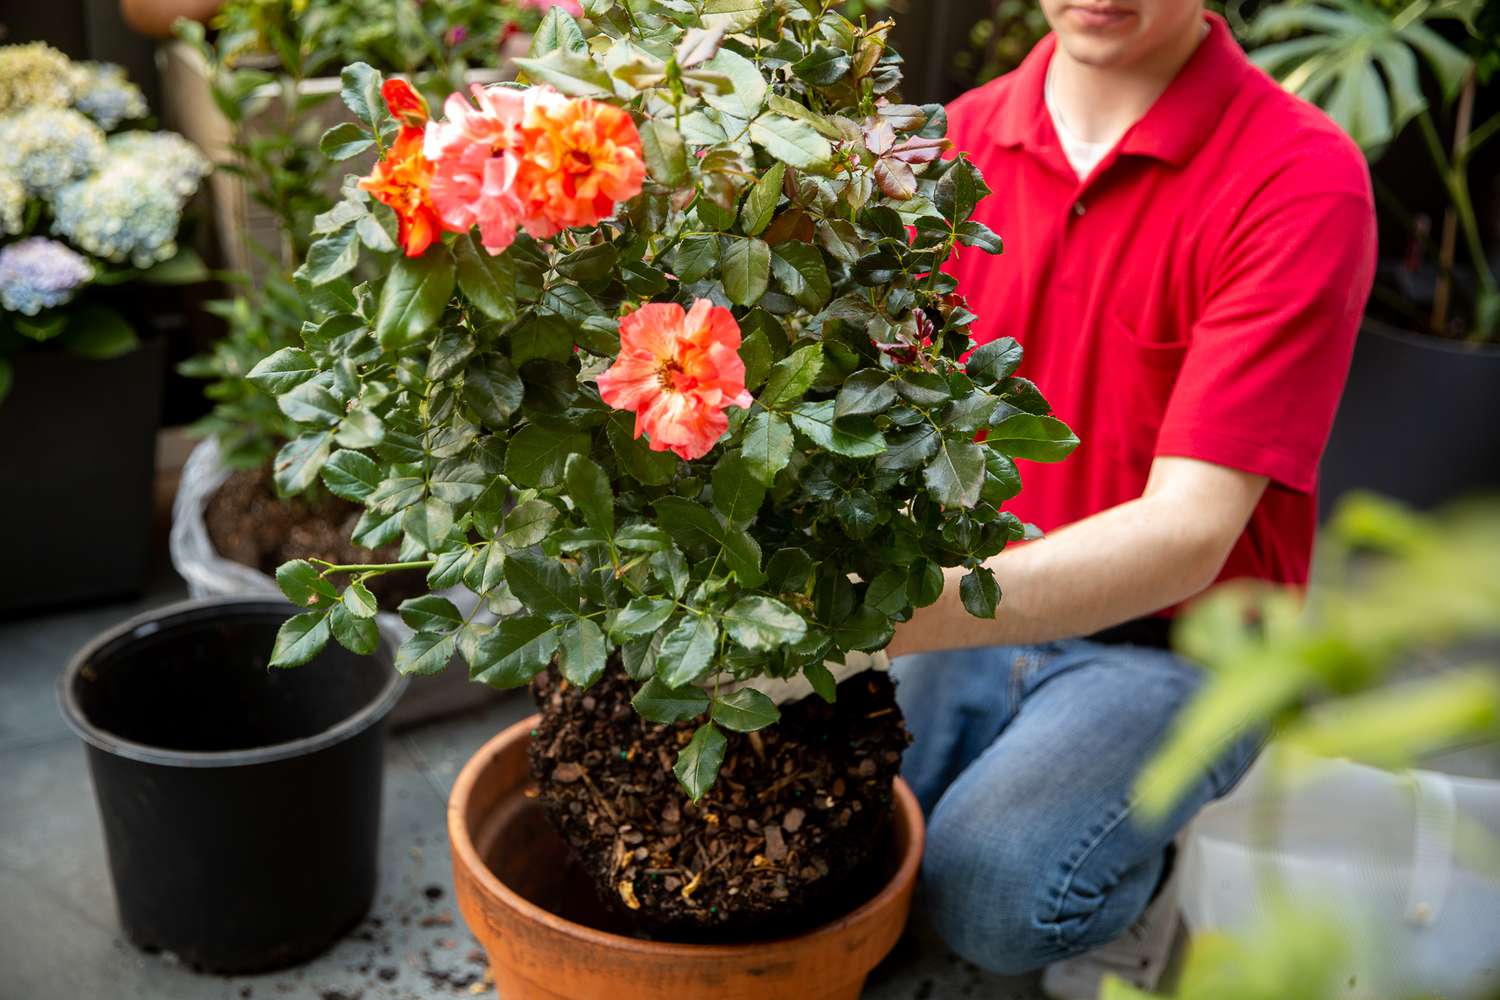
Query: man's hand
{"x": 1122, "y": 563}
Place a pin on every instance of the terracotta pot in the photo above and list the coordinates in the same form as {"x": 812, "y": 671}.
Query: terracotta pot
{"x": 507, "y": 862}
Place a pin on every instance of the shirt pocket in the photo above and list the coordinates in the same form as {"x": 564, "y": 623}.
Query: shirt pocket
{"x": 1143, "y": 373}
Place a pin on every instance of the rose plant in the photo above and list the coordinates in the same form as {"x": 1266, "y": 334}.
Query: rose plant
{"x": 667, "y": 360}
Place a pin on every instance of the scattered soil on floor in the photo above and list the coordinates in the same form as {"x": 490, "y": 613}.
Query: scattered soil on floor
{"x": 248, "y": 523}
{"x": 793, "y": 827}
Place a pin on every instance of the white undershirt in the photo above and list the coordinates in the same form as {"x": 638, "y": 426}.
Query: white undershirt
{"x": 1083, "y": 156}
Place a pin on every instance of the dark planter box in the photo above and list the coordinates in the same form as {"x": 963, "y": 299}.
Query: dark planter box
{"x": 78, "y": 454}
{"x": 1419, "y": 421}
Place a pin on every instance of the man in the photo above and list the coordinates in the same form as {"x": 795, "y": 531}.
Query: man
{"x": 1188, "y": 253}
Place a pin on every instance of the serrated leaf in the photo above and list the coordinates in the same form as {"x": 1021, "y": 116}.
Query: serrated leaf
{"x": 766, "y": 445}
{"x": 980, "y": 592}
{"x": 1028, "y": 436}
{"x": 821, "y": 679}
{"x": 355, "y": 633}
{"x": 360, "y": 602}
{"x": 853, "y": 438}
{"x": 415, "y": 294}
{"x": 799, "y": 269}
{"x": 537, "y": 455}
{"x": 865, "y": 393}
{"x": 542, "y": 584}
{"x": 745, "y": 710}
{"x": 656, "y": 702}
{"x": 994, "y": 361}
{"x": 823, "y": 66}
{"x": 298, "y": 462}
{"x": 430, "y": 613}
{"x": 487, "y": 281}
{"x": 345, "y": 140}
{"x": 493, "y": 390}
{"x": 582, "y": 653}
{"x": 558, "y": 30}
{"x": 300, "y": 638}
{"x": 695, "y": 257}
{"x": 761, "y": 623}
{"x": 425, "y": 653}
{"x": 360, "y": 89}
{"x": 300, "y": 582}
{"x": 428, "y": 523}
{"x": 692, "y": 526}
{"x": 955, "y": 475}
{"x": 792, "y": 376}
{"x": 760, "y": 203}
{"x": 528, "y": 523}
{"x": 642, "y": 616}
{"x": 574, "y": 73}
{"x": 665, "y": 153}
{"x": 790, "y": 140}
{"x": 283, "y": 371}
{"x": 738, "y": 491}
{"x": 909, "y": 448}
{"x": 687, "y": 650}
{"x": 746, "y": 270}
{"x": 589, "y": 490}
{"x": 515, "y": 652}
{"x": 698, "y": 763}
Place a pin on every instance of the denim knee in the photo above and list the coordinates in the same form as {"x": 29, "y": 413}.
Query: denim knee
{"x": 987, "y": 897}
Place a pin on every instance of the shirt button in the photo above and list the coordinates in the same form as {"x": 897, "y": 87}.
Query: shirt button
{"x": 1078, "y": 209}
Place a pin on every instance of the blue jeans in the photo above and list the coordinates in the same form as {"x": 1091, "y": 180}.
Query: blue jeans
{"x": 1024, "y": 758}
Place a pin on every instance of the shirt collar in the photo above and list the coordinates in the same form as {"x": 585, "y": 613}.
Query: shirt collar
{"x": 1180, "y": 121}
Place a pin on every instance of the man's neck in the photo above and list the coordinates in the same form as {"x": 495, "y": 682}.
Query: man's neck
{"x": 1101, "y": 103}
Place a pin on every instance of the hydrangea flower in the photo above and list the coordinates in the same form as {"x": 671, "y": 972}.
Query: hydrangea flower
{"x": 45, "y": 148}
{"x": 102, "y": 92}
{"x": 34, "y": 76}
{"x": 38, "y": 273}
{"x": 12, "y": 204}
{"x": 176, "y": 162}
{"x": 124, "y": 214}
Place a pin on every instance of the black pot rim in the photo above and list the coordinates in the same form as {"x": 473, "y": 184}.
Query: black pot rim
{"x": 197, "y": 610}
{"x": 1429, "y": 341}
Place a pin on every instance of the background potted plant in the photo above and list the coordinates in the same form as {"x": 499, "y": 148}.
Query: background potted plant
{"x": 86, "y": 218}
{"x": 1426, "y": 362}
{"x": 264, "y": 87}
{"x": 691, "y": 395}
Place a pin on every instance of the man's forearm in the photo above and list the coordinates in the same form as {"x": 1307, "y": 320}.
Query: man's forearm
{"x": 1122, "y": 563}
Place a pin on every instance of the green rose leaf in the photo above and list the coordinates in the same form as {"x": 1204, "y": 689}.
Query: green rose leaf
{"x": 821, "y": 679}
{"x": 792, "y": 376}
{"x": 909, "y": 448}
{"x": 980, "y": 592}
{"x": 1039, "y": 439}
{"x": 642, "y": 616}
{"x": 799, "y": 269}
{"x": 514, "y": 652}
{"x": 694, "y": 526}
{"x": 994, "y": 361}
{"x": 745, "y": 710}
{"x": 588, "y": 487}
{"x": 574, "y": 73}
{"x": 538, "y": 454}
{"x": 284, "y": 370}
{"x": 527, "y": 524}
{"x": 414, "y": 297}
{"x": 542, "y": 584}
{"x": 345, "y": 141}
{"x": 955, "y": 475}
{"x": 487, "y": 281}
{"x": 866, "y": 630}
{"x": 299, "y": 460}
{"x": 360, "y": 602}
{"x": 698, "y": 763}
{"x": 583, "y": 652}
{"x": 865, "y": 393}
{"x": 300, "y": 638}
{"x": 493, "y": 390}
{"x": 761, "y": 623}
{"x": 766, "y": 445}
{"x": 656, "y": 702}
{"x": 425, "y": 653}
{"x": 746, "y": 270}
{"x": 695, "y": 257}
{"x": 822, "y": 66}
{"x": 300, "y": 582}
{"x": 687, "y": 650}
{"x": 430, "y": 613}
{"x": 854, "y": 438}
{"x": 760, "y": 203}
{"x": 738, "y": 490}
{"x": 666, "y": 153}
{"x": 360, "y": 89}
{"x": 356, "y": 634}
{"x": 790, "y": 140}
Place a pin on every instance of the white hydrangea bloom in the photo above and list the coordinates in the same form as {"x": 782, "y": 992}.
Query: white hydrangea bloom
{"x": 175, "y": 161}
{"x": 12, "y": 204}
{"x": 38, "y": 273}
{"x": 105, "y": 94}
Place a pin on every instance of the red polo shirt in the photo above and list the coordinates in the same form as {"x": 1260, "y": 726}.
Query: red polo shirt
{"x": 1197, "y": 295}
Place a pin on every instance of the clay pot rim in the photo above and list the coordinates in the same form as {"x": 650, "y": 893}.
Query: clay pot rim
{"x": 189, "y": 612}
{"x": 907, "y": 812}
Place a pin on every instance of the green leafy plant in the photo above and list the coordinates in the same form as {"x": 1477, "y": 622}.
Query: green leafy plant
{"x": 1363, "y": 62}
{"x": 82, "y": 212}
{"x": 455, "y": 393}
{"x": 1318, "y": 676}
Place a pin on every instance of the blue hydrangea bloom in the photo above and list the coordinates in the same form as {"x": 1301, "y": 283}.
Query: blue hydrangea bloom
{"x": 102, "y": 91}
{"x": 38, "y": 273}
{"x": 45, "y": 148}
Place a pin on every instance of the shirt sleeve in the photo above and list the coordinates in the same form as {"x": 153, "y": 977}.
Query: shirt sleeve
{"x": 1271, "y": 348}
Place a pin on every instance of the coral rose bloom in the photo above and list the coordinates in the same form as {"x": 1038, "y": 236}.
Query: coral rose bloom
{"x": 475, "y": 162}
{"x": 678, "y": 372}
{"x": 402, "y": 179}
{"x": 582, "y": 158}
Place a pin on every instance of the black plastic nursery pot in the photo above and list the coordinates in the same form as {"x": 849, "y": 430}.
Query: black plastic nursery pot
{"x": 240, "y": 804}
{"x": 1419, "y": 420}
{"x": 78, "y": 457}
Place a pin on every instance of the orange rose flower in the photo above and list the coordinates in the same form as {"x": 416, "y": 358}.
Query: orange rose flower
{"x": 581, "y": 158}
{"x": 678, "y": 372}
{"x": 402, "y": 179}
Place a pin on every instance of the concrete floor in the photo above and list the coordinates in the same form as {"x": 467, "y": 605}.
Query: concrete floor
{"x": 59, "y": 938}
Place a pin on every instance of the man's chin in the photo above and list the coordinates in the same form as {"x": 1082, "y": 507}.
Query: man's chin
{"x": 1101, "y": 53}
